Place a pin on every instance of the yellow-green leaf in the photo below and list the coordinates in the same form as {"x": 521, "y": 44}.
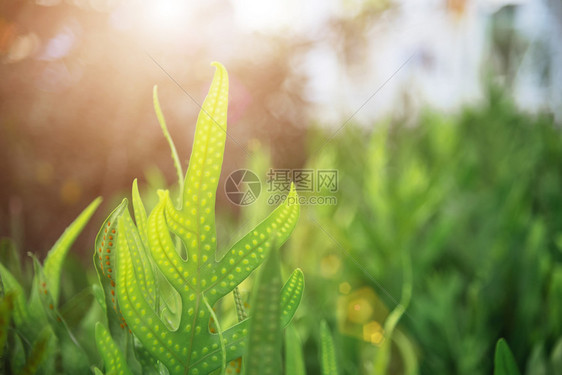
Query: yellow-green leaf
{"x": 113, "y": 359}
{"x": 57, "y": 254}
{"x": 327, "y": 351}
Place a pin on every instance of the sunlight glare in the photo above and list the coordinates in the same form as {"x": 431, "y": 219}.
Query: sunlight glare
{"x": 165, "y": 16}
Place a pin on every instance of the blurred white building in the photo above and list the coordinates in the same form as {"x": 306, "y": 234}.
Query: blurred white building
{"x": 448, "y": 45}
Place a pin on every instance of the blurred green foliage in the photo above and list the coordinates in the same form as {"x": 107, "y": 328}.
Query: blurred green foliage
{"x": 446, "y": 236}
{"x": 39, "y": 334}
{"x": 464, "y": 213}
{"x": 504, "y": 363}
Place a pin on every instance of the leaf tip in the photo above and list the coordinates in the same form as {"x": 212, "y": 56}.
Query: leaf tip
{"x": 218, "y": 65}
{"x": 163, "y": 194}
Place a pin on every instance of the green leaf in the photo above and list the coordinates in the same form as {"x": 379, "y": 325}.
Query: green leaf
{"x": 140, "y": 213}
{"x": 504, "y": 362}
{"x": 6, "y": 308}
{"x": 44, "y": 296}
{"x": 178, "y": 334}
{"x": 99, "y": 295}
{"x": 141, "y": 262}
{"x": 113, "y": 359}
{"x": 237, "y": 264}
{"x": 556, "y": 357}
{"x": 203, "y": 173}
{"x": 234, "y": 367}
{"x": 11, "y": 285}
{"x": 57, "y": 254}
{"x": 39, "y": 352}
{"x": 147, "y": 362}
{"x": 10, "y": 257}
{"x": 328, "y": 352}
{"x": 294, "y": 360}
{"x": 162, "y": 122}
{"x": 239, "y": 304}
{"x": 291, "y": 295}
{"x": 264, "y": 338}
{"x": 17, "y": 355}
{"x": 73, "y": 357}
{"x": 105, "y": 259}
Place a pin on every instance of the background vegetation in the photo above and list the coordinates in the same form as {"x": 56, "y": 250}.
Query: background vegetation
{"x": 447, "y": 232}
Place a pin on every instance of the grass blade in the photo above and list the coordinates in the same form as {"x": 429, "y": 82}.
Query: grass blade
{"x": 11, "y": 285}
{"x": 10, "y": 257}
{"x": 504, "y": 362}
{"x": 17, "y": 355}
{"x": 39, "y": 352}
{"x": 162, "y": 122}
{"x": 57, "y": 254}
{"x": 140, "y": 212}
{"x": 6, "y": 308}
{"x": 294, "y": 360}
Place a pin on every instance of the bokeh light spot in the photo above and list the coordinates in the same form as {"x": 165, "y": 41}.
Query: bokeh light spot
{"x": 60, "y": 45}
{"x": 330, "y": 265}
{"x": 48, "y": 3}
{"x": 44, "y": 173}
{"x": 345, "y": 288}
{"x": 373, "y": 333}
{"x": 359, "y": 310}
{"x": 22, "y": 47}
{"x": 70, "y": 192}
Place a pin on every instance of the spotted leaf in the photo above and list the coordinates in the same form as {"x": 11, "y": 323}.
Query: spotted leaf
{"x": 105, "y": 258}
{"x": 264, "y": 339}
{"x": 327, "y": 351}
{"x": 113, "y": 359}
{"x": 250, "y": 251}
{"x": 140, "y": 257}
{"x": 168, "y": 307}
{"x": 291, "y": 295}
